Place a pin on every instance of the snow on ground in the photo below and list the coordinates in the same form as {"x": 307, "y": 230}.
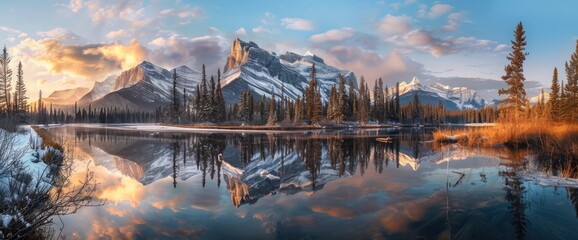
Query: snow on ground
{"x": 26, "y": 139}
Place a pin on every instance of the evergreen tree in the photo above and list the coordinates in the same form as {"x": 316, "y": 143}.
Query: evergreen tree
{"x": 220, "y": 100}
{"x": 352, "y": 97}
{"x": 342, "y": 101}
{"x": 310, "y": 93}
{"x": 317, "y": 107}
{"x": 5, "y": 80}
{"x": 570, "y": 111}
{"x": 22, "y": 103}
{"x": 175, "y": 108}
{"x": 554, "y": 100}
{"x": 272, "y": 119}
{"x": 397, "y": 106}
{"x": 298, "y": 110}
{"x": 515, "y": 102}
{"x": 362, "y": 117}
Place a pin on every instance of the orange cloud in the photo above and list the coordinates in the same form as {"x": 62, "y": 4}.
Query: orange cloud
{"x": 90, "y": 61}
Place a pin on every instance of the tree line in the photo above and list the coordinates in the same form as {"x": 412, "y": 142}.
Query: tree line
{"x": 344, "y": 105}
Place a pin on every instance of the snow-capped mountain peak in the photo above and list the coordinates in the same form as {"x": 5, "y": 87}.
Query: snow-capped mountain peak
{"x": 250, "y": 67}
{"x": 453, "y": 98}
{"x": 415, "y": 81}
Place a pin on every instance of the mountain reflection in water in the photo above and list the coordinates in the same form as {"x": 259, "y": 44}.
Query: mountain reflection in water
{"x": 340, "y": 184}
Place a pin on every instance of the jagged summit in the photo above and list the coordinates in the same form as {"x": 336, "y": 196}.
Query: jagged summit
{"x": 252, "y": 68}
{"x": 415, "y": 81}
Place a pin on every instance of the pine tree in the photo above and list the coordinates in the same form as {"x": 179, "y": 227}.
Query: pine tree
{"x": 317, "y": 107}
{"x": 342, "y": 101}
{"x": 361, "y": 102}
{"x": 220, "y": 100}
{"x": 571, "y": 88}
{"x": 352, "y": 97}
{"x": 554, "y": 100}
{"x": 397, "y": 105}
{"x": 175, "y": 108}
{"x": 310, "y": 93}
{"x": 298, "y": 110}
{"x": 515, "y": 102}
{"x": 5, "y": 80}
{"x": 272, "y": 119}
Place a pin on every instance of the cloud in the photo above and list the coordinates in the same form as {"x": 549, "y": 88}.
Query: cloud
{"x": 438, "y": 10}
{"x": 117, "y": 34}
{"x": 40, "y": 82}
{"x": 501, "y": 47}
{"x": 453, "y": 22}
{"x": 185, "y": 16}
{"x": 61, "y": 34}
{"x": 261, "y": 29}
{"x": 268, "y": 18}
{"x": 241, "y": 32}
{"x": 345, "y": 36}
{"x": 391, "y": 25}
{"x": 14, "y": 31}
{"x": 175, "y": 50}
{"x": 91, "y": 61}
{"x": 75, "y": 5}
{"x": 298, "y": 24}
{"x": 333, "y": 35}
{"x": 107, "y": 10}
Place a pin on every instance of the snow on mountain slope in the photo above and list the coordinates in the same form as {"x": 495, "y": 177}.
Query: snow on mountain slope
{"x": 250, "y": 67}
{"x": 453, "y": 98}
{"x": 144, "y": 87}
{"x": 99, "y": 90}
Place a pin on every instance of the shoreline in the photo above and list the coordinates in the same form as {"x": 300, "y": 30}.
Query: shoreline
{"x": 157, "y": 127}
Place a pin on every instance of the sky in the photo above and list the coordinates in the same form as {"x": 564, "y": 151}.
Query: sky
{"x": 73, "y": 43}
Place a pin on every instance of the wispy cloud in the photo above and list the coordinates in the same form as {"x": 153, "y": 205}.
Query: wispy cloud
{"x": 298, "y": 24}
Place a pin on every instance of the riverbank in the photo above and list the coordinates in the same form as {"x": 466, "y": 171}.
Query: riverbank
{"x": 554, "y": 145}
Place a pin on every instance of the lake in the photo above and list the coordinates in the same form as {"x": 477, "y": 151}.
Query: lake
{"x": 309, "y": 185}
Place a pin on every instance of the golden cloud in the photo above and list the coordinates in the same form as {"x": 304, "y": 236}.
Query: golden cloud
{"x": 90, "y": 61}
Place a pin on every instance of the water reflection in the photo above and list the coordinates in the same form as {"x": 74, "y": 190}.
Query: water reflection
{"x": 314, "y": 184}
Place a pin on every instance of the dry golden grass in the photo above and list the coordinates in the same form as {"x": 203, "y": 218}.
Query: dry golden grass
{"x": 47, "y": 139}
{"x": 555, "y": 144}
{"x": 544, "y": 135}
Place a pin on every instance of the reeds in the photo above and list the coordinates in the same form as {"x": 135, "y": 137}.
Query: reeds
{"x": 554, "y": 144}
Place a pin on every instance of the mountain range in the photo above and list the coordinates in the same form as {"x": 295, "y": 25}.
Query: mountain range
{"x": 248, "y": 67}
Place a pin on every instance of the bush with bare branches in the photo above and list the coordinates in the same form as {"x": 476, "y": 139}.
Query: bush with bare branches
{"x": 30, "y": 200}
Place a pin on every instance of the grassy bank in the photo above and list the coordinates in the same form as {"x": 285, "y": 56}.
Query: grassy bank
{"x": 554, "y": 145}
{"x": 541, "y": 135}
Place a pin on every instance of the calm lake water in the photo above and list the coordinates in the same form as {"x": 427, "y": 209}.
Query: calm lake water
{"x": 316, "y": 185}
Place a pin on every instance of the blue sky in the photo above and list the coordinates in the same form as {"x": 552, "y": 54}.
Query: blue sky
{"x": 65, "y": 44}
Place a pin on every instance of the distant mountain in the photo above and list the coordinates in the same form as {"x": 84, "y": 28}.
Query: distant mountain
{"x": 250, "y": 67}
{"x": 143, "y": 87}
{"x": 453, "y": 98}
{"x": 534, "y": 100}
{"x": 62, "y": 99}
{"x": 99, "y": 90}
{"x": 66, "y": 96}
